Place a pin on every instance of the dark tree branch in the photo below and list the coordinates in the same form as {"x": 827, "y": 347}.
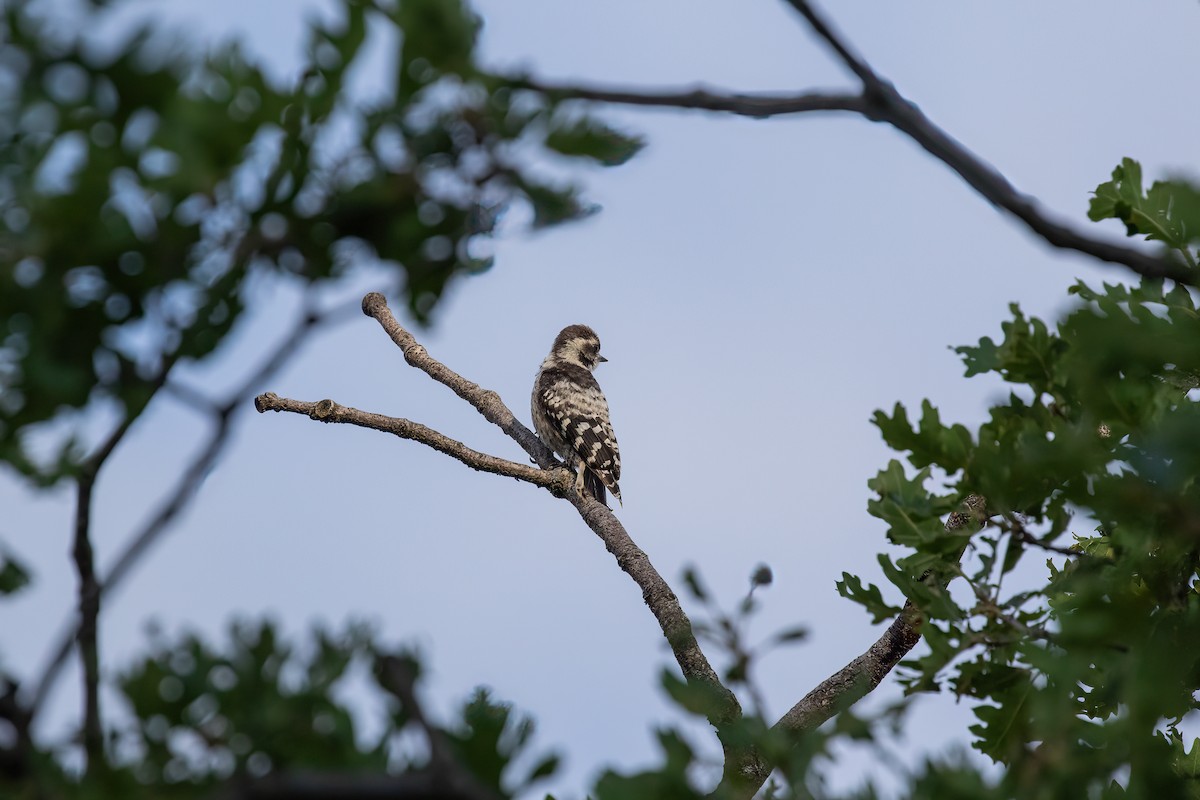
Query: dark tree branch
{"x": 89, "y": 587}
{"x": 557, "y": 480}
{"x": 656, "y": 593}
{"x": 888, "y": 105}
{"x": 756, "y": 106}
{"x": 880, "y": 101}
{"x": 89, "y": 611}
{"x": 185, "y": 489}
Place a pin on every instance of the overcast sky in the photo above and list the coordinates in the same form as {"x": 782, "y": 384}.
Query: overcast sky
{"x": 759, "y": 287}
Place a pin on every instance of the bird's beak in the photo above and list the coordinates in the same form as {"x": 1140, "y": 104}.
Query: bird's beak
{"x": 601, "y": 359}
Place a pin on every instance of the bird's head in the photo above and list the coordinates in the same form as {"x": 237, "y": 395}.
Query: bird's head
{"x": 579, "y": 345}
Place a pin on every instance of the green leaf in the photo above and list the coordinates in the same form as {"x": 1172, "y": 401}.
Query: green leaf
{"x": 699, "y": 698}
{"x": 586, "y": 137}
{"x": 870, "y": 598}
{"x": 1169, "y": 212}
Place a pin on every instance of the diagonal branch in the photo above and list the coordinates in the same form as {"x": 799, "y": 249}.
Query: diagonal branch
{"x": 880, "y": 101}
{"x": 888, "y": 105}
{"x": 656, "y": 592}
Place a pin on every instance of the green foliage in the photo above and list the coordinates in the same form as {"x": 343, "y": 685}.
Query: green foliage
{"x": 141, "y": 191}
{"x": 260, "y": 706}
{"x": 1168, "y": 213}
{"x": 1083, "y": 676}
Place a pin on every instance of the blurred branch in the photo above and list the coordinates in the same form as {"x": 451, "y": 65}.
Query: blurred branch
{"x": 880, "y": 101}
{"x": 557, "y": 480}
{"x": 185, "y": 489}
{"x": 756, "y": 105}
{"x": 632, "y": 560}
{"x": 89, "y": 587}
{"x": 89, "y": 611}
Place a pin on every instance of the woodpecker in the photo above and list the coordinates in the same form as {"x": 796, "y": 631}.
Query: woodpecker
{"x": 570, "y": 413}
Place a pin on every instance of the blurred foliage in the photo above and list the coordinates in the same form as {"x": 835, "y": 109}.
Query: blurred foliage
{"x": 199, "y": 718}
{"x": 144, "y": 185}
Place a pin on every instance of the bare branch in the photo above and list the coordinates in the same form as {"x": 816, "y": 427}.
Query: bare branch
{"x": 888, "y": 105}
{"x": 485, "y": 401}
{"x": 656, "y": 593}
{"x": 756, "y": 106}
{"x": 880, "y": 101}
{"x": 558, "y": 480}
{"x": 870, "y": 80}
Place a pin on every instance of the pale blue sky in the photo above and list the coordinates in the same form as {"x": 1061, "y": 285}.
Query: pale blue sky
{"x": 760, "y": 287}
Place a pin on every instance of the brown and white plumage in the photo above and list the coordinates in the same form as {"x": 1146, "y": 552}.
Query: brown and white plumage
{"x": 570, "y": 413}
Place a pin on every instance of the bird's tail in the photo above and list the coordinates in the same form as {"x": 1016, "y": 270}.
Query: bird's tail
{"x": 594, "y": 486}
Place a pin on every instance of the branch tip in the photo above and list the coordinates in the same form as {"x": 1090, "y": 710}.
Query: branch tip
{"x": 372, "y": 303}
{"x": 267, "y": 401}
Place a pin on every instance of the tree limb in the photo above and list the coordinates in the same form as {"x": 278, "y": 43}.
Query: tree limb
{"x": 656, "y": 592}
{"x": 880, "y": 101}
{"x": 87, "y": 635}
{"x": 89, "y": 611}
{"x": 742, "y": 104}
{"x": 558, "y": 480}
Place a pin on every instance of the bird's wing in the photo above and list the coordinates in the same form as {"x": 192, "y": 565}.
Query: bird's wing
{"x": 574, "y": 405}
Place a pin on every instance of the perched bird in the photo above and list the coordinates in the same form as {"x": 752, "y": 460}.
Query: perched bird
{"x": 570, "y": 413}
